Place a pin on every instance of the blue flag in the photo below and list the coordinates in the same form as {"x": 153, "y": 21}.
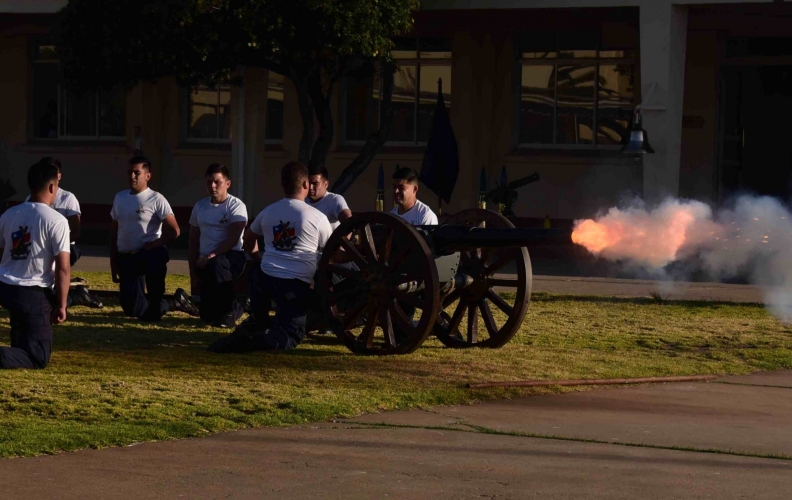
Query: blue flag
{"x": 440, "y": 167}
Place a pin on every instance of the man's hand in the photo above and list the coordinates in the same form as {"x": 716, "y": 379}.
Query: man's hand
{"x": 58, "y": 315}
{"x": 203, "y": 262}
{"x": 114, "y": 273}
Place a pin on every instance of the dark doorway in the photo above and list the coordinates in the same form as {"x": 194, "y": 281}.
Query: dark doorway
{"x": 756, "y": 131}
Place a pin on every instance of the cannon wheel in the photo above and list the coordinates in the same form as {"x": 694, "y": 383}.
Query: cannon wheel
{"x": 387, "y": 252}
{"x": 482, "y": 265}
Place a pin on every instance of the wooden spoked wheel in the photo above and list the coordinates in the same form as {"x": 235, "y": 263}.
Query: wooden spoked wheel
{"x": 385, "y": 300}
{"x": 490, "y": 310}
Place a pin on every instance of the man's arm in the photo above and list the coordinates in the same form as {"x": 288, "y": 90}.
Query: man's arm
{"x": 114, "y": 252}
{"x": 75, "y": 226}
{"x": 235, "y": 230}
{"x": 62, "y": 280}
{"x": 250, "y": 244}
{"x": 170, "y": 231}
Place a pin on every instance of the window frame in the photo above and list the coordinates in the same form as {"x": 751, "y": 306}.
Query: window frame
{"x": 60, "y": 102}
{"x": 267, "y": 141}
{"x": 595, "y": 61}
{"x": 187, "y": 102}
{"x": 416, "y": 61}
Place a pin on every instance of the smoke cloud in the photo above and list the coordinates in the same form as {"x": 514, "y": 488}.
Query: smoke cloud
{"x": 752, "y": 238}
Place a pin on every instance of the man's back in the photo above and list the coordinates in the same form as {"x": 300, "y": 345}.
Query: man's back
{"x": 33, "y": 234}
{"x": 293, "y": 234}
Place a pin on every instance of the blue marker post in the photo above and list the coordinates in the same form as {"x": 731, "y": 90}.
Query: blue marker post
{"x": 379, "y": 203}
{"x": 482, "y": 199}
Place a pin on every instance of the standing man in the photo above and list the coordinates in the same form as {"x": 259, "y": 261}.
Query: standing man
{"x": 334, "y": 206}
{"x": 294, "y": 234}
{"x": 405, "y": 195}
{"x": 67, "y": 205}
{"x": 143, "y": 223}
{"x": 35, "y": 240}
{"x": 216, "y": 257}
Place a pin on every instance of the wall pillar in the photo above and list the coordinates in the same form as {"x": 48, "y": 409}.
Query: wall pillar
{"x": 249, "y": 118}
{"x": 663, "y": 30}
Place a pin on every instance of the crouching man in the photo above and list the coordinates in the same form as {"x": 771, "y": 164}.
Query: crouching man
{"x": 294, "y": 235}
{"x": 35, "y": 240}
{"x": 216, "y": 257}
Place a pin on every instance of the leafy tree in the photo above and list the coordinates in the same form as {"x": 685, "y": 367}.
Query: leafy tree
{"x": 313, "y": 43}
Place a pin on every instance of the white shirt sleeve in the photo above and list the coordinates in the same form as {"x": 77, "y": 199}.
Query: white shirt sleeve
{"x": 238, "y": 211}
{"x": 429, "y": 218}
{"x": 163, "y": 208}
{"x": 325, "y": 230}
{"x": 256, "y": 226}
{"x": 114, "y": 210}
{"x": 194, "y": 215}
{"x": 59, "y": 239}
{"x": 340, "y": 206}
{"x": 71, "y": 206}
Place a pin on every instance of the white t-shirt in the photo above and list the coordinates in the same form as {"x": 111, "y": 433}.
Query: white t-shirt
{"x": 419, "y": 215}
{"x": 214, "y": 221}
{"x": 139, "y": 218}
{"x": 294, "y": 235}
{"x": 65, "y": 203}
{"x": 331, "y": 205}
{"x": 33, "y": 234}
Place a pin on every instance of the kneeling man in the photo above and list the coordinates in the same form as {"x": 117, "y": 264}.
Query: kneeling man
{"x": 35, "y": 240}
{"x": 294, "y": 235}
{"x": 216, "y": 257}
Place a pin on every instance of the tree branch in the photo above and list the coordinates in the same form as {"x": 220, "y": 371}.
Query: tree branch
{"x": 306, "y": 114}
{"x": 321, "y": 104}
{"x": 375, "y": 140}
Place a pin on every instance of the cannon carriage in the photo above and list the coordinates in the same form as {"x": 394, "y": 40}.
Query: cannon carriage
{"x": 400, "y": 284}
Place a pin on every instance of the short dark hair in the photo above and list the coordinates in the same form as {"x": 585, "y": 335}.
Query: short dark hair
{"x": 293, "y": 175}
{"x": 141, "y": 160}
{"x": 406, "y": 174}
{"x": 217, "y": 168}
{"x": 40, "y": 175}
{"x": 52, "y": 161}
{"x": 321, "y": 170}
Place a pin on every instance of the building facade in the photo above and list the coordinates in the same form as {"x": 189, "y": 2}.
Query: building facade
{"x": 533, "y": 85}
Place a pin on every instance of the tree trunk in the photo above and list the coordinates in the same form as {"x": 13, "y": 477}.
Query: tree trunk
{"x": 375, "y": 140}
{"x": 324, "y": 115}
{"x": 307, "y": 116}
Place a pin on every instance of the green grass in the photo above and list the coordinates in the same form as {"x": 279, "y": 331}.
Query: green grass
{"x": 113, "y": 381}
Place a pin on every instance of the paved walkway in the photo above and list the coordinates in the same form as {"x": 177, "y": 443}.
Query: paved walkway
{"x": 605, "y": 443}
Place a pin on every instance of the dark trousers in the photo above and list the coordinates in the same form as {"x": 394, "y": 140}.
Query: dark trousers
{"x": 217, "y": 286}
{"x": 148, "y": 269}
{"x": 292, "y": 298}
{"x": 74, "y": 254}
{"x": 30, "y": 309}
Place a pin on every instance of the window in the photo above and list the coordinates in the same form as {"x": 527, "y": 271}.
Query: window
{"x": 274, "y": 133}
{"x": 420, "y": 64}
{"x": 572, "y": 85}
{"x": 58, "y": 114}
{"x": 209, "y": 114}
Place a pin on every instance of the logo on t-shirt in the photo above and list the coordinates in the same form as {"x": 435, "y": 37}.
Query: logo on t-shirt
{"x": 141, "y": 210}
{"x": 283, "y": 236}
{"x": 20, "y": 244}
{"x": 225, "y": 219}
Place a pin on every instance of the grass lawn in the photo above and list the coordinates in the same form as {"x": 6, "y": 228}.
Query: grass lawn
{"x": 113, "y": 381}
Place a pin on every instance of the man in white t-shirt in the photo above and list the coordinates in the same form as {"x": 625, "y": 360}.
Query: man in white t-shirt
{"x": 35, "y": 241}
{"x": 334, "y": 206}
{"x": 67, "y": 205}
{"x": 143, "y": 223}
{"x": 405, "y": 196}
{"x": 294, "y": 234}
{"x": 216, "y": 257}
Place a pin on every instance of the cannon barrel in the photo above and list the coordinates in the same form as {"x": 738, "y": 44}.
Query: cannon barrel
{"x": 447, "y": 239}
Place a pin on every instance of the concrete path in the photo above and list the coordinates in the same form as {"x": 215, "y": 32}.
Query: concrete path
{"x": 95, "y": 259}
{"x": 606, "y": 443}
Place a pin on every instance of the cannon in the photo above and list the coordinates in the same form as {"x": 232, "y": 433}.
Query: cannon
{"x": 400, "y": 284}
{"x": 506, "y": 193}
